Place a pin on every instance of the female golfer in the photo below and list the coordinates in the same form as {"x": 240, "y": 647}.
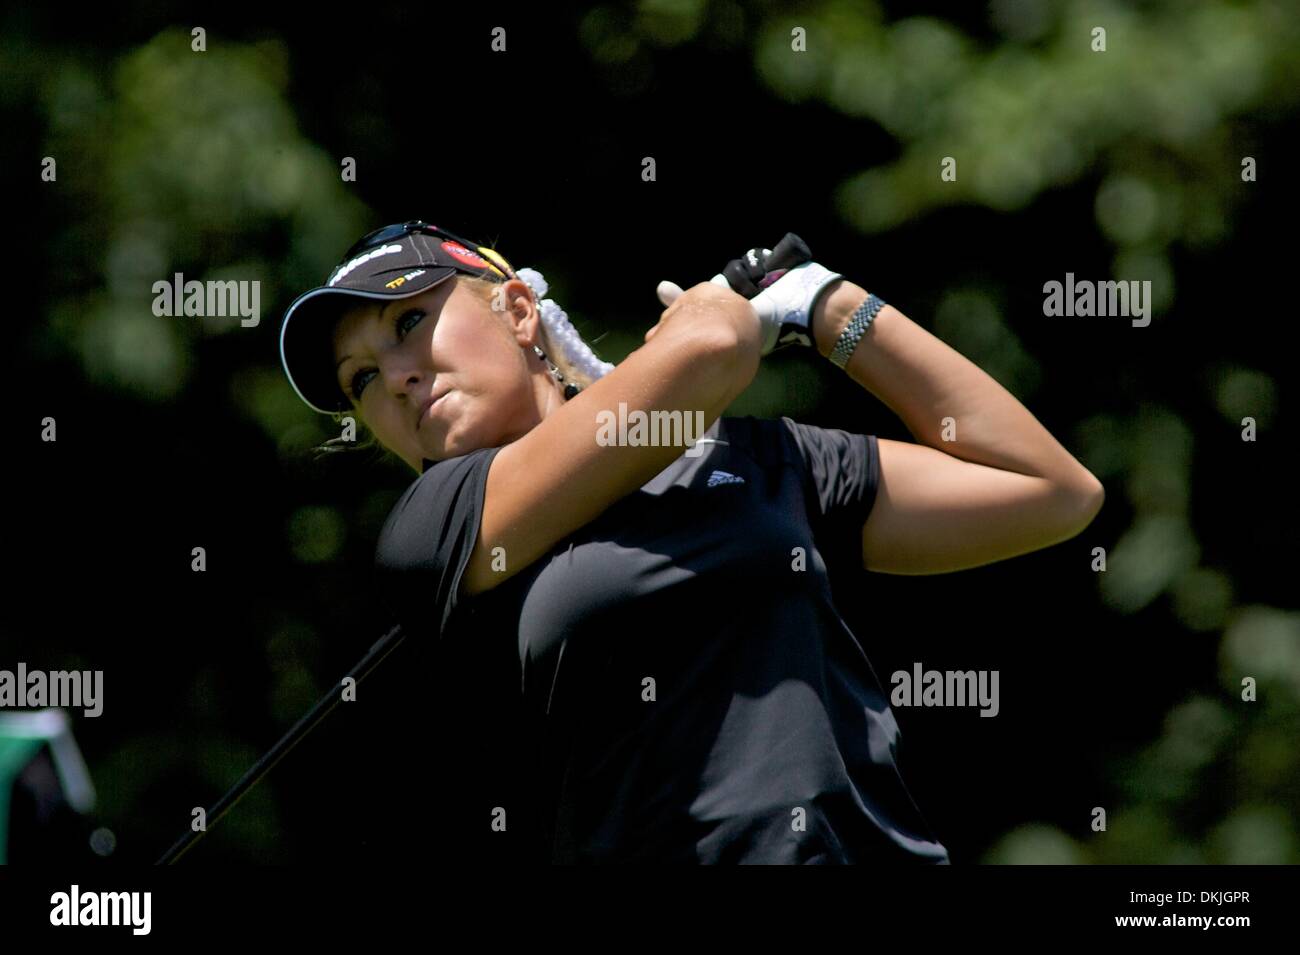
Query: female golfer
{"x": 662, "y": 611}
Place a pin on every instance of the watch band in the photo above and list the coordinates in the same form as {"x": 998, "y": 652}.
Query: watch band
{"x": 858, "y": 324}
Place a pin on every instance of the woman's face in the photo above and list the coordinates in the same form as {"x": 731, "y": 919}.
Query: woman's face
{"x": 445, "y": 343}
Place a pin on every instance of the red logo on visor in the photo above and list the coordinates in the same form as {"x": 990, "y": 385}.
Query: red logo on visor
{"x": 462, "y": 254}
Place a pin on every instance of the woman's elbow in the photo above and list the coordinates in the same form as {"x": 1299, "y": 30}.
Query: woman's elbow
{"x": 1085, "y": 503}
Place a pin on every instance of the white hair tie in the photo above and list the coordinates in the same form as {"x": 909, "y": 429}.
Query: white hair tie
{"x": 560, "y": 331}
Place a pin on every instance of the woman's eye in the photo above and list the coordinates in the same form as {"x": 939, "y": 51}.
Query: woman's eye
{"x": 358, "y": 381}
{"x": 358, "y": 385}
{"x": 402, "y": 318}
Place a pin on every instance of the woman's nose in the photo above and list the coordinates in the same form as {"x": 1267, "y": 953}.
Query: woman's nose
{"x": 402, "y": 374}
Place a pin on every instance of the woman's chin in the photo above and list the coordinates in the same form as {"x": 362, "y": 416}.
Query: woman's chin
{"x": 452, "y": 445}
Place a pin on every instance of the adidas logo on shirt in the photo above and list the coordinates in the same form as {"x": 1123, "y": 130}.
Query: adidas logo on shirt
{"x": 722, "y": 477}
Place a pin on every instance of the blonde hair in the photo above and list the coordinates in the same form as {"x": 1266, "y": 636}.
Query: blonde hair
{"x": 557, "y": 338}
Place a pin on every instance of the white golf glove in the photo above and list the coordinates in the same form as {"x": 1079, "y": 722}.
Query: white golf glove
{"x": 785, "y": 307}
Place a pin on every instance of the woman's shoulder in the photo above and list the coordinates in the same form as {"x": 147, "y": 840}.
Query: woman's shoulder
{"x": 450, "y": 486}
{"x": 470, "y": 459}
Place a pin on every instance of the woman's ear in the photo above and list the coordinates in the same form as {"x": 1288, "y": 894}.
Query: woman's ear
{"x": 524, "y": 312}
{"x": 520, "y": 296}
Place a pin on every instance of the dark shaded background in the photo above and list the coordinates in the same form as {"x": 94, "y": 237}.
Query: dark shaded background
{"x": 1118, "y": 689}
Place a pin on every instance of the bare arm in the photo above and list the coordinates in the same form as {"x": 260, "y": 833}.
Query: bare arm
{"x": 557, "y": 478}
{"x": 1003, "y": 487}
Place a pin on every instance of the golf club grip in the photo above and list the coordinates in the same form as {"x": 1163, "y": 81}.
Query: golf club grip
{"x": 788, "y": 253}
{"x": 749, "y": 275}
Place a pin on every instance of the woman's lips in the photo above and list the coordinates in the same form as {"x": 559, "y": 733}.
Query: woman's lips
{"x": 429, "y": 406}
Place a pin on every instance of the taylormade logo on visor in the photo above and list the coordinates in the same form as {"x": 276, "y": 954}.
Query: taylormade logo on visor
{"x": 362, "y": 259}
